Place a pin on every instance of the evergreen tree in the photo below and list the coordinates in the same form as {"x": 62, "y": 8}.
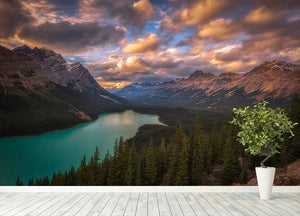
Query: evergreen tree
{"x": 223, "y": 139}
{"x": 60, "y": 178}
{"x": 38, "y": 182}
{"x": 66, "y": 178}
{"x": 113, "y": 173}
{"x": 117, "y": 168}
{"x": 182, "y": 176}
{"x": 19, "y": 182}
{"x": 121, "y": 161}
{"x": 214, "y": 147}
{"x": 162, "y": 159}
{"x": 94, "y": 171}
{"x": 82, "y": 173}
{"x": 139, "y": 177}
{"x": 294, "y": 142}
{"x": 197, "y": 167}
{"x": 194, "y": 143}
{"x": 231, "y": 166}
{"x": 46, "y": 181}
{"x": 54, "y": 179}
{"x": 244, "y": 178}
{"x": 31, "y": 182}
{"x": 105, "y": 169}
{"x": 178, "y": 138}
{"x": 203, "y": 151}
{"x": 209, "y": 159}
{"x": 131, "y": 166}
{"x": 175, "y": 153}
{"x": 150, "y": 165}
{"x": 72, "y": 176}
{"x": 173, "y": 166}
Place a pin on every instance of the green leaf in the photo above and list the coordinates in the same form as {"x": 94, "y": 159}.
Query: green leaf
{"x": 261, "y": 128}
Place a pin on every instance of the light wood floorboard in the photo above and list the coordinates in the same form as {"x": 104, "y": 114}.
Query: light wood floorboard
{"x": 148, "y": 204}
{"x": 132, "y": 204}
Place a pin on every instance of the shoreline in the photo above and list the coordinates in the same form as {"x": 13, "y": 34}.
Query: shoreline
{"x": 138, "y": 120}
{"x": 77, "y": 125}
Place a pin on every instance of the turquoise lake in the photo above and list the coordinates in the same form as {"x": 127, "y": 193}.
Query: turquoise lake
{"x": 38, "y": 156}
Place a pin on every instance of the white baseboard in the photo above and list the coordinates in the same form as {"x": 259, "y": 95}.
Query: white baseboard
{"x": 217, "y": 189}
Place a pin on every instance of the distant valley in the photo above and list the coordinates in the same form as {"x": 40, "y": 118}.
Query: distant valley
{"x": 276, "y": 82}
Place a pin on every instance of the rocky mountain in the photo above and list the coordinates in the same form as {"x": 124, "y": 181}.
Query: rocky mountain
{"x": 74, "y": 76}
{"x": 275, "y": 82}
{"x": 31, "y": 104}
{"x": 19, "y": 71}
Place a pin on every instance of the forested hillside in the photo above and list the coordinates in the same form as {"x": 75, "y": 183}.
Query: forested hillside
{"x": 176, "y": 156}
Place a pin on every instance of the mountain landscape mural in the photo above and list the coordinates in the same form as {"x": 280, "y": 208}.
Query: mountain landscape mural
{"x": 142, "y": 92}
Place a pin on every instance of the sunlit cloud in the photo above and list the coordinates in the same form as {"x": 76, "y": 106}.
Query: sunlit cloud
{"x": 261, "y": 15}
{"x": 112, "y": 51}
{"x": 112, "y": 84}
{"x": 219, "y": 30}
{"x": 144, "y": 8}
{"x": 237, "y": 66}
{"x": 146, "y": 44}
{"x": 122, "y": 41}
{"x": 133, "y": 65}
{"x": 202, "y": 11}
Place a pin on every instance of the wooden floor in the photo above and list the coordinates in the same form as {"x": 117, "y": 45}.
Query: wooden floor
{"x": 148, "y": 203}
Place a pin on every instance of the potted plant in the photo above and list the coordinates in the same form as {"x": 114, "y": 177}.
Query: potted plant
{"x": 261, "y": 131}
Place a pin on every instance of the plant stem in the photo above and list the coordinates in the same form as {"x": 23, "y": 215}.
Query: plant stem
{"x": 264, "y": 160}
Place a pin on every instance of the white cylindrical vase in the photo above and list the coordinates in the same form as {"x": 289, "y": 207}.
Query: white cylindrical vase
{"x": 265, "y": 179}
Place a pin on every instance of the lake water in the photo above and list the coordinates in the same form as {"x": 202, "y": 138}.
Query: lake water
{"x": 41, "y": 155}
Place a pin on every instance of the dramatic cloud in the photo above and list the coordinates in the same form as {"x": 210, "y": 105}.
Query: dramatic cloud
{"x": 137, "y": 15}
{"x": 63, "y": 6}
{"x": 120, "y": 68}
{"x": 167, "y": 62}
{"x": 133, "y": 65}
{"x": 117, "y": 68}
{"x": 261, "y": 15}
{"x": 51, "y": 9}
{"x": 185, "y": 14}
{"x": 220, "y": 29}
{"x": 125, "y": 12}
{"x": 279, "y": 44}
{"x": 147, "y": 44}
{"x": 202, "y": 11}
{"x": 72, "y": 38}
{"x": 123, "y": 41}
{"x": 164, "y": 65}
{"x": 13, "y": 16}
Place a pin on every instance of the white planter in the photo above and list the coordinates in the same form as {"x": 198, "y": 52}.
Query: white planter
{"x": 265, "y": 179}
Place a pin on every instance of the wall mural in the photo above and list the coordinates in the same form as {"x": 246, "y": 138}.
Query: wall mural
{"x": 149, "y": 92}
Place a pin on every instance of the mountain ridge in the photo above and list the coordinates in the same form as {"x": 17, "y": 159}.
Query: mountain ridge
{"x": 276, "y": 81}
{"x": 71, "y": 75}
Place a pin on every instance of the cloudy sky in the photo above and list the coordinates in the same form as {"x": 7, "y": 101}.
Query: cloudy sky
{"x": 121, "y": 41}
